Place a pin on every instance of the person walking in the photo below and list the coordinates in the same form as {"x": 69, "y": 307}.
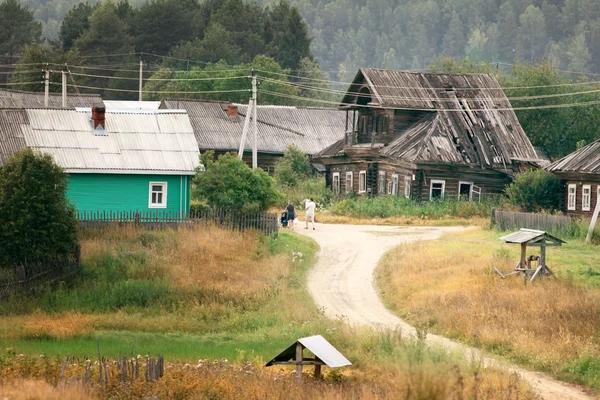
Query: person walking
{"x": 291, "y": 214}
{"x": 310, "y": 206}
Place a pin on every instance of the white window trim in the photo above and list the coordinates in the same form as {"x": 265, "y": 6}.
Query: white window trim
{"x": 380, "y": 187}
{"x": 431, "y": 188}
{"x": 336, "y": 188}
{"x": 572, "y": 206}
{"x": 407, "y": 184}
{"x": 349, "y": 189}
{"x": 587, "y": 207}
{"x": 164, "y": 192}
{"x": 362, "y": 174}
{"x": 395, "y": 184}
{"x": 470, "y": 190}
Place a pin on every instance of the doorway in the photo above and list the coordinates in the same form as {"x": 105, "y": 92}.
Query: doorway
{"x": 465, "y": 191}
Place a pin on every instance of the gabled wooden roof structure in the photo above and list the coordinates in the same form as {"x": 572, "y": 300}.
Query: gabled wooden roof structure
{"x": 583, "y": 161}
{"x": 317, "y": 345}
{"x": 461, "y": 119}
{"x": 532, "y": 237}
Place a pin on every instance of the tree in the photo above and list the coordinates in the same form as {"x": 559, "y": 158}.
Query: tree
{"x": 37, "y": 222}
{"x": 17, "y": 28}
{"x": 578, "y": 54}
{"x": 535, "y": 191}
{"x": 531, "y": 37}
{"x": 293, "y": 167}
{"x": 477, "y": 45}
{"x": 76, "y": 22}
{"x": 290, "y": 40}
{"x": 230, "y": 184}
{"x": 454, "y": 40}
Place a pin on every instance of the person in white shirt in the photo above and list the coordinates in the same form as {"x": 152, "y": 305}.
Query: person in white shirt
{"x": 310, "y": 206}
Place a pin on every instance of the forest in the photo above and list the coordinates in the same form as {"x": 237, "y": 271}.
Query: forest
{"x": 306, "y": 51}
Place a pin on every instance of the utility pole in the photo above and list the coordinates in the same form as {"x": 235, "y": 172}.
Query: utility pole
{"x": 64, "y": 89}
{"x": 141, "y": 78}
{"x": 254, "y": 126}
{"x": 46, "y": 87}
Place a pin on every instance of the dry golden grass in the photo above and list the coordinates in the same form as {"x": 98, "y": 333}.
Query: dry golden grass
{"x": 327, "y": 218}
{"x": 32, "y": 389}
{"x": 450, "y": 286}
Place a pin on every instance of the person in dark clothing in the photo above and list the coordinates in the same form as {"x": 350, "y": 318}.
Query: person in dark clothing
{"x": 291, "y": 214}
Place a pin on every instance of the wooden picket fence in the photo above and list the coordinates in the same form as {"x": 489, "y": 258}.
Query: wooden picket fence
{"x": 28, "y": 275}
{"x": 267, "y": 223}
{"x": 509, "y": 221}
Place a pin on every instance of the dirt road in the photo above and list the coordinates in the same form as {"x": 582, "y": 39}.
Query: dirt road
{"x": 342, "y": 284}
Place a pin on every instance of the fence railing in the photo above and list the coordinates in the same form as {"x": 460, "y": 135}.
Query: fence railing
{"x": 267, "y": 223}
{"x": 27, "y": 275}
{"x": 507, "y": 220}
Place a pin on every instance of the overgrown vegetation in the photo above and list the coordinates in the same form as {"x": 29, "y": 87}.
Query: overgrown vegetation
{"x": 535, "y": 191}
{"x": 230, "y": 184}
{"x": 450, "y": 287}
{"x": 37, "y": 222}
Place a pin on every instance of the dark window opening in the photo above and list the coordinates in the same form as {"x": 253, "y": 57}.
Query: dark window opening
{"x": 464, "y": 191}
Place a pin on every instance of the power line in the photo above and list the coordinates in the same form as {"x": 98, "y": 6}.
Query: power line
{"x": 155, "y": 91}
{"x": 161, "y": 79}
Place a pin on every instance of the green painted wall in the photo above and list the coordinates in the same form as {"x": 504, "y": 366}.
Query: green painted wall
{"x": 116, "y": 192}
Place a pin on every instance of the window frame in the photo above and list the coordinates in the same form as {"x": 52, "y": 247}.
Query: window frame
{"x": 407, "y": 186}
{"x": 587, "y": 207}
{"x": 395, "y": 184}
{"x": 336, "y": 188}
{"x": 572, "y": 206}
{"x": 435, "y": 181}
{"x": 362, "y": 179}
{"x": 471, "y": 184}
{"x": 381, "y": 186}
{"x": 164, "y": 191}
{"x": 351, "y": 188}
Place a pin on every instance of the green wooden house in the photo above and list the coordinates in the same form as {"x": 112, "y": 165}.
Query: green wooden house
{"x": 117, "y": 160}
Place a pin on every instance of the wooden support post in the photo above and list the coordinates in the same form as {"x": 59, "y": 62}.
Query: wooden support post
{"x": 523, "y": 263}
{"x": 318, "y": 371}
{"x": 299, "y": 349}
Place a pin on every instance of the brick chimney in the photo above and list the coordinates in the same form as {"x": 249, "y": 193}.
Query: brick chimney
{"x": 232, "y": 111}
{"x": 99, "y": 117}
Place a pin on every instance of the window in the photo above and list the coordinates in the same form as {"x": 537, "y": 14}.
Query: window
{"x": 586, "y": 198}
{"x": 389, "y": 187}
{"x": 436, "y": 190}
{"x": 394, "y": 184}
{"x": 158, "y": 195}
{"x": 407, "y": 183}
{"x": 349, "y": 181}
{"x": 572, "y": 199}
{"x": 382, "y": 182}
{"x": 336, "y": 183}
{"x": 362, "y": 181}
{"x": 465, "y": 191}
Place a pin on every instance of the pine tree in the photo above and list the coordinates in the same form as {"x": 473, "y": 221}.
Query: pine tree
{"x": 531, "y": 37}
{"x": 17, "y": 28}
{"x": 76, "y": 22}
{"x": 454, "y": 40}
{"x": 578, "y": 54}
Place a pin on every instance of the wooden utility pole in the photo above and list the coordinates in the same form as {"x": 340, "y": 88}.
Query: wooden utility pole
{"x": 141, "y": 79}
{"x": 254, "y": 126}
{"x": 64, "y": 89}
{"x": 46, "y": 87}
{"x": 588, "y": 238}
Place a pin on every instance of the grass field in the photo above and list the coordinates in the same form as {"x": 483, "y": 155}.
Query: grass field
{"x": 211, "y": 294}
{"x": 449, "y": 287}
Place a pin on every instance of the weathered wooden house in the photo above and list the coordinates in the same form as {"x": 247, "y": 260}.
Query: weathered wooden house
{"x": 117, "y": 161}
{"x": 218, "y": 126}
{"x": 427, "y": 136}
{"x": 580, "y": 175}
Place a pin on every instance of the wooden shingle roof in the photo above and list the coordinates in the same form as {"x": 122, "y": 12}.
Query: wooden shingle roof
{"x": 585, "y": 161}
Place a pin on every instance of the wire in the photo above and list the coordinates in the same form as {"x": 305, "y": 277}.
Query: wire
{"x": 589, "y": 103}
{"x": 22, "y": 72}
{"x": 155, "y": 91}
{"x": 20, "y": 83}
{"x": 161, "y": 79}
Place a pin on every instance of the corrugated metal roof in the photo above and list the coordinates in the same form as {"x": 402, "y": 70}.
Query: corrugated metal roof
{"x": 11, "y": 135}
{"x": 528, "y": 235}
{"x": 585, "y": 160}
{"x": 471, "y": 120}
{"x": 137, "y": 142}
{"x": 311, "y": 129}
{"x": 21, "y": 99}
{"x": 132, "y": 105}
{"x": 317, "y": 345}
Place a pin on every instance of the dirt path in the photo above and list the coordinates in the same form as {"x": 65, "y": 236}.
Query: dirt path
{"x": 342, "y": 284}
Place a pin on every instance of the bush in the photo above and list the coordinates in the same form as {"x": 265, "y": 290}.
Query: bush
{"x": 293, "y": 167}
{"x": 230, "y": 184}
{"x": 37, "y": 222}
{"x": 535, "y": 191}
{"x": 306, "y": 189}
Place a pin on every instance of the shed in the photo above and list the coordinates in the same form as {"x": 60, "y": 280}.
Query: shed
{"x": 531, "y": 237}
{"x": 325, "y": 354}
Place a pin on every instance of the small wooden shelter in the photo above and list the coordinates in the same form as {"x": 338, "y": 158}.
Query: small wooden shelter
{"x": 325, "y": 354}
{"x": 530, "y": 237}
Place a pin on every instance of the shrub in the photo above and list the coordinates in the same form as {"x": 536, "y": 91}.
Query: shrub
{"x": 37, "y": 222}
{"x": 309, "y": 188}
{"x": 293, "y": 167}
{"x": 230, "y": 184}
{"x": 535, "y": 191}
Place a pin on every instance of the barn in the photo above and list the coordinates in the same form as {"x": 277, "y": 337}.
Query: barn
{"x": 427, "y": 136}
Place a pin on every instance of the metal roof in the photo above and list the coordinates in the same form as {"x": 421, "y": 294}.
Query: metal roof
{"x": 585, "y": 160}
{"x": 132, "y": 105}
{"x": 135, "y": 143}
{"x": 311, "y": 129}
{"x": 11, "y": 135}
{"x": 320, "y": 347}
{"x": 21, "y": 99}
{"x": 466, "y": 118}
{"x": 529, "y": 235}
